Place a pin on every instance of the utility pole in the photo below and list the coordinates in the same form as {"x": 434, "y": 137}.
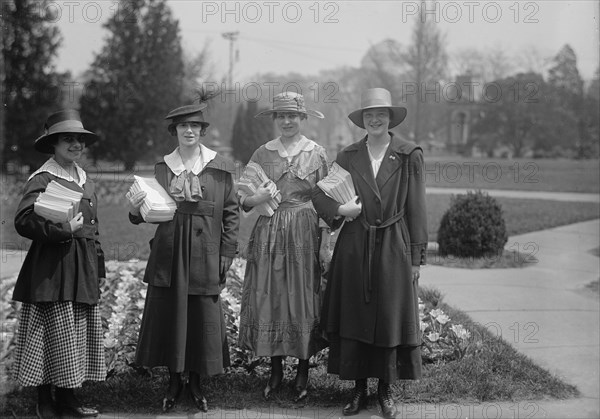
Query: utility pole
{"x": 232, "y": 37}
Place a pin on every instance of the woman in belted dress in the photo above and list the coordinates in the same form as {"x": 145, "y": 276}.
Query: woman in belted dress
{"x": 183, "y": 327}
{"x": 60, "y": 338}
{"x": 281, "y": 299}
{"x": 370, "y": 311}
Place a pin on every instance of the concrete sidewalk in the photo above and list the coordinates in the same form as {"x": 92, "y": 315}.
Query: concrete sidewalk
{"x": 545, "y": 311}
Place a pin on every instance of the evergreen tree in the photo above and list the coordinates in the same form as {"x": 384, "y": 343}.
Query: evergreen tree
{"x": 31, "y": 88}
{"x": 249, "y": 132}
{"x": 135, "y": 81}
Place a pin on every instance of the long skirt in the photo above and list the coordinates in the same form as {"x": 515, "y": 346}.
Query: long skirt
{"x": 183, "y": 332}
{"x": 59, "y": 343}
{"x": 282, "y": 285}
{"x": 354, "y": 360}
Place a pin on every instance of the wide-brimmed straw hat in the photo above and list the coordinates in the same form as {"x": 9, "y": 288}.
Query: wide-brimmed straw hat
{"x": 187, "y": 113}
{"x": 65, "y": 121}
{"x": 378, "y": 98}
{"x": 290, "y": 102}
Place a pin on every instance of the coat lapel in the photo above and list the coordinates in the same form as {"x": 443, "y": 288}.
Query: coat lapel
{"x": 362, "y": 166}
{"x": 390, "y": 165}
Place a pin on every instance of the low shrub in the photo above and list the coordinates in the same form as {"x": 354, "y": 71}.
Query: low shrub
{"x": 473, "y": 227}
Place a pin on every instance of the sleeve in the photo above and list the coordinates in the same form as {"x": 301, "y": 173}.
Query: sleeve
{"x": 231, "y": 219}
{"x": 326, "y": 207}
{"x": 322, "y": 173}
{"x": 416, "y": 213}
{"x": 241, "y": 194}
{"x": 33, "y": 226}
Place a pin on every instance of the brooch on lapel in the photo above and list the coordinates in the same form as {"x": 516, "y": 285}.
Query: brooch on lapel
{"x": 392, "y": 157}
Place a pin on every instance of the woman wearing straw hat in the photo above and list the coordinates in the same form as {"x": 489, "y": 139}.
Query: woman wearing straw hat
{"x": 60, "y": 339}
{"x": 183, "y": 327}
{"x": 370, "y": 311}
{"x": 281, "y": 295}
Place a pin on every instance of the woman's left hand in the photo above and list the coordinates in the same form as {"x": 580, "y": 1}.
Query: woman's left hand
{"x": 416, "y": 272}
{"x": 225, "y": 264}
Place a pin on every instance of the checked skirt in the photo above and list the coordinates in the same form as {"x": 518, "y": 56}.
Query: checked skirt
{"x": 59, "y": 343}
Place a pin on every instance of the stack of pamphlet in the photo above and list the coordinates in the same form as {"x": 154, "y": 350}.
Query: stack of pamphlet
{"x": 57, "y": 203}
{"x": 338, "y": 184}
{"x": 254, "y": 176}
{"x": 158, "y": 205}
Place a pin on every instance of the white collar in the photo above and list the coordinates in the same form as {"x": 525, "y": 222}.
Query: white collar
{"x": 303, "y": 145}
{"x": 176, "y": 165}
{"x": 51, "y": 166}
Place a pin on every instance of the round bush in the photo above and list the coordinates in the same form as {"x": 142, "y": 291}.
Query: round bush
{"x": 473, "y": 227}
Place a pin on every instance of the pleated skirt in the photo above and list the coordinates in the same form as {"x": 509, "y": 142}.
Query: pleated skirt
{"x": 282, "y": 285}
{"x": 59, "y": 343}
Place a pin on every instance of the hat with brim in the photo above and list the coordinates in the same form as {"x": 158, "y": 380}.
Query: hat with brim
{"x": 290, "y": 102}
{"x": 378, "y": 98}
{"x": 187, "y": 113}
{"x": 62, "y": 122}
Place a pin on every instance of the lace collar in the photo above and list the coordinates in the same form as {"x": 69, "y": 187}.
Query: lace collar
{"x": 51, "y": 166}
{"x": 303, "y": 145}
{"x": 176, "y": 165}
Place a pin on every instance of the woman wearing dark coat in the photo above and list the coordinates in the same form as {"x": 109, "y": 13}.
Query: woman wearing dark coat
{"x": 60, "y": 339}
{"x": 183, "y": 327}
{"x": 370, "y": 312}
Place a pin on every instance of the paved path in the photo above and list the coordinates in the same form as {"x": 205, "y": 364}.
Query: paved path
{"x": 544, "y": 310}
{"x": 554, "y": 196}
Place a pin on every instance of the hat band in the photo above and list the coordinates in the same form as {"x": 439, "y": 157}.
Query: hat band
{"x": 65, "y": 126}
{"x": 376, "y": 103}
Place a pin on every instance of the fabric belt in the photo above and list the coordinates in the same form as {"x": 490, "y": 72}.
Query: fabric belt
{"x": 86, "y": 232}
{"x": 372, "y": 234}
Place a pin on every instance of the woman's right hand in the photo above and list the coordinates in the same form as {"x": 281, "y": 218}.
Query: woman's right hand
{"x": 263, "y": 193}
{"x": 76, "y": 222}
{"x": 350, "y": 209}
{"x": 136, "y": 201}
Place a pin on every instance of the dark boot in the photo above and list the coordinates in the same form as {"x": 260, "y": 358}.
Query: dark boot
{"x": 68, "y": 405}
{"x": 301, "y": 382}
{"x": 384, "y": 395}
{"x": 358, "y": 400}
{"x": 173, "y": 392}
{"x": 276, "y": 377}
{"x": 45, "y": 404}
{"x": 196, "y": 392}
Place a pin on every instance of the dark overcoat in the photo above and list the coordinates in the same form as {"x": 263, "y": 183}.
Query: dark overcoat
{"x": 214, "y": 229}
{"x": 60, "y": 265}
{"x": 371, "y": 296}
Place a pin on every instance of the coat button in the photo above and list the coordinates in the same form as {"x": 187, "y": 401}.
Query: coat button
{"x": 91, "y": 204}
{"x": 377, "y": 222}
{"x": 93, "y": 221}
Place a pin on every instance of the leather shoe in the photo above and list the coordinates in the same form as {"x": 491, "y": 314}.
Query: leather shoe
{"x": 357, "y": 402}
{"x": 199, "y": 401}
{"x": 388, "y": 407}
{"x": 78, "y": 411}
{"x": 301, "y": 385}
{"x": 170, "y": 400}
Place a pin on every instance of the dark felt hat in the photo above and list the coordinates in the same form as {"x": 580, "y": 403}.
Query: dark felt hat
{"x": 65, "y": 121}
{"x": 187, "y": 113}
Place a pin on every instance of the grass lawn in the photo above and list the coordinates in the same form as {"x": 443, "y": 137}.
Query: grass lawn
{"x": 548, "y": 175}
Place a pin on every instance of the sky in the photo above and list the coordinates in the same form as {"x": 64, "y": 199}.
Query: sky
{"x": 310, "y": 36}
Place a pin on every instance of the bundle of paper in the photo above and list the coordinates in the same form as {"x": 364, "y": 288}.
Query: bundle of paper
{"x": 254, "y": 176}
{"x": 338, "y": 184}
{"x": 57, "y": 203}
{"x": 158, "y": 205}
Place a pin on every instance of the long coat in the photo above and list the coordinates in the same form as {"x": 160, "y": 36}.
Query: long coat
{"x": 371, "y": 296}
{"x": 60, "y": 265}
{"x": 215, "y": 222}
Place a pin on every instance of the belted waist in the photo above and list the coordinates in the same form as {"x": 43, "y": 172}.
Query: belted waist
{"x": 196, "y": 208}
{"x": 372, "y": 234}
{"x": 86, "y": 232}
